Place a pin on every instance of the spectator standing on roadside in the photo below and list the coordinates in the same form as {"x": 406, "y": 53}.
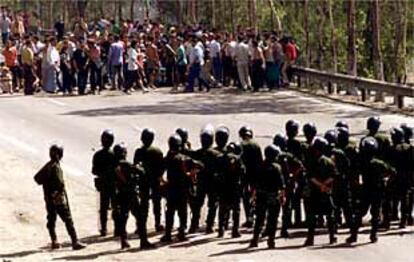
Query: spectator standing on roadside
{"x": 5, "y": 24}
{"x": 291, "y": 55}
{"x": 10, "y": 56}
{"x": 115, "y": 60}
{"x": 80, "y": 62}
{"x": 242, "y": 56}
{"x": 153, "y": 62}
{"x": 258, "y": 66}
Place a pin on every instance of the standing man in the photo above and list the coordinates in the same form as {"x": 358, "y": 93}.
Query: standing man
{"x": 231, "y": 173}
{"x": 103, "y": 168}
{"x": 252, "y": 159}
{"x": 242, "y": 56}
{"x": 196, "y": 62}
{"x": 180, "y": 172}
{"x": 215, "y": 55}
{"x": 115, "y": 62}
{"x": 80, "y": 62}
{"x": 5, "y": 25}
{"x": 56, "y": 198}
{"x": 152, "y": 160}
{"x": 153, "y": 62}
{"x": 375, "y": 175}
{"x": 270, "y": 188}
{"x": 130, "y": 180}
{"x": 321, "y": 183}
{"x": 206, "y": 182}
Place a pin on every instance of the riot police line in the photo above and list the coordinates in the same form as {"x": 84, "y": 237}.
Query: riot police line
{"x": 331, "y": 178}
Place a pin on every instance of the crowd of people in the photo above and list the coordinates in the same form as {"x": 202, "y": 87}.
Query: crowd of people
{"x": 331, "y": 178}
{"x": 92, "y": 56}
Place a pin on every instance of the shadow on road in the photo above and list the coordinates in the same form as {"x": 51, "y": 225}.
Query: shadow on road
{"x": 198, "y": 104}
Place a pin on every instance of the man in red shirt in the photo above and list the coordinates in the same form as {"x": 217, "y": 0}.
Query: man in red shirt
{"x": 10, "y": 56}
{"x": 291, "y": 55}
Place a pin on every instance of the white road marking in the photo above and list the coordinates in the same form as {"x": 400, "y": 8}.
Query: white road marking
{"x": 19, "y": 143}
{"x": 56, "y": 102}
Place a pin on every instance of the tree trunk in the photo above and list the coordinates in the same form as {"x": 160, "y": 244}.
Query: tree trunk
{"x": 179, "y": 12}
{"x": 50, "y": 14}
{"x": 279, "y": 28}
{"x": 120, "y": 4}
{"x": 306, "y": 31}
{"x": 352, "y": 52}
{"x": 254, "y": 15}
{"x": 376, "y": 45}
{"x": 334, "y": 44}
{"x": 321, "y": 34}
{"x": 131, "y": 10}
{"x": 400, "y": 60}
{"x": 233, "y": 26}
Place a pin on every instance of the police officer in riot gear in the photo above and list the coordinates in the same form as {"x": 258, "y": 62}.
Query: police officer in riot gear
{"x": 230, "y": 191}
{"x": 375, "y": 175}
{"x": 321, "y": 184}
{"x": 103, "y": 168}
{"x": 207, "y": 182}
{"x": 181, "y": 171}
{"x": 270, "y": 186}
{"x": 131, "y": 183}
{"x": 151, "y": 159}
{"x": 252, "y": 159}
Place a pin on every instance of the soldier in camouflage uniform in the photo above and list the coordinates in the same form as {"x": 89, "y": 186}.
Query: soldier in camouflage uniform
{"x": 252, "y": 159}
{"x": 103, "y": 167}
{"x": 320, "y": 199}
{"x": 152, "y": 160}
{"x": 270, "y": 187}
{"x": 51, "y": 178}
{"x": 375, "y": 174}
{"x": 131, "y": 183}
{"x": 231, "y": 172}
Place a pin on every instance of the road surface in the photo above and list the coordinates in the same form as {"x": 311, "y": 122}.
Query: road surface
{"x": 29, "y": 125}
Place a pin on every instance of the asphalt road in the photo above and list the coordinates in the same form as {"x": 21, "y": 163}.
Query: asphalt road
{"x": 29, "y": 125}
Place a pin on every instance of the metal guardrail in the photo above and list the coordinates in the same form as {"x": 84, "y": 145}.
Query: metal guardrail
{"x": 399, "y": 91}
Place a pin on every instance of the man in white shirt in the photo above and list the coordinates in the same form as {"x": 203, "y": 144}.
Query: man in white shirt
{"x": 196, "y": 61}
{"x": 215, "y": 54}
{"x": 133, "y": 67}
{"x": 242, "y": 56}
{"x": 5, "y": 24}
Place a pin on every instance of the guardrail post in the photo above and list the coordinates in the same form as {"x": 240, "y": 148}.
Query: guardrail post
{"x": 330, "y": 89}
{"x": 363, "y": 95}
{"x": 400, "y": 101}
{"x": 299, "y": 81}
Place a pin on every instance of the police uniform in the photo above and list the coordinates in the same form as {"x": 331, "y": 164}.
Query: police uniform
{"x": 152, "y": 160}
{"x": 252, "y": 159}
{"x": 231, "y": 172}
{"x": 103, "y": 167}
{"x": 270, "y": 185}
{"x": 321, "y": 203}
{"x": 130, "y": 180}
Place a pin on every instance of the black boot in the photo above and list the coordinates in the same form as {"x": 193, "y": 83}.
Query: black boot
{"x": 181, "y": 236}
{"x": 253, "y": 243}
{"x": 145, "y": 244}
{"x": 309, "y": 242}
{"x": 125, "y": 244}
